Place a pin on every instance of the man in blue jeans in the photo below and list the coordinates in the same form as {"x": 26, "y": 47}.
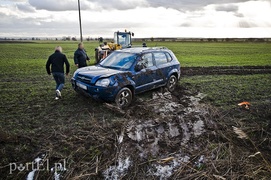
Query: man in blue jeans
{"x": 56, "y": 61}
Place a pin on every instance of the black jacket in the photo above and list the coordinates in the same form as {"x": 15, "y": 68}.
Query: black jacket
{"x": 80, "y": 57}
{"x": 57, "y": 61}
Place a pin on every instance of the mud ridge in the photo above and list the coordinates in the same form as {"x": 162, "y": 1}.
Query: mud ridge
{"x": 226, "y": 70}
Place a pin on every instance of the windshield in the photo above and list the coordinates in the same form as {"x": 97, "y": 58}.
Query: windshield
{"x": 124, "y": 39}
{"x": 119, "y": 60}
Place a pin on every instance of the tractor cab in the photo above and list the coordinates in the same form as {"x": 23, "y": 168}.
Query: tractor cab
{"x": 123, "y": 39}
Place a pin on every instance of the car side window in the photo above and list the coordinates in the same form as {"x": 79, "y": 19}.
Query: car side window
{"x": 146, "y": 61}
{"x": 169, "y": 58}
{"x": 160, "y": 58}
{"x": 148, "y": 58}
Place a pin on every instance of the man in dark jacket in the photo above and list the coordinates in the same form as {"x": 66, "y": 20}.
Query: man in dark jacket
{"x": 80, "y": 56}
{"x": 57, "y": 61}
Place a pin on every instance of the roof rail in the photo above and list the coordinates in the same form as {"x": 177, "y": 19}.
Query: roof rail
{"x": 161, "y": 47}
{"x": 154, "y": 48}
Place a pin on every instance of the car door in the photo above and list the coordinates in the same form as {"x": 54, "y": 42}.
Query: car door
{"x": 163, "y": 68}
{"x": 144, "y": 76}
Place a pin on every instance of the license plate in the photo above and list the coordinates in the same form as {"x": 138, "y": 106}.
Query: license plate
{"x": 81, "y": 86}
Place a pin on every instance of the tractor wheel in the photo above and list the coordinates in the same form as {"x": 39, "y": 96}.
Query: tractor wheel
{"x": 97, "y": 56}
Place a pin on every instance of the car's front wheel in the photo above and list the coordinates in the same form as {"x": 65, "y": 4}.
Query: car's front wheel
{"x": 172, "y": 82}
{"x": 124, "y": 98}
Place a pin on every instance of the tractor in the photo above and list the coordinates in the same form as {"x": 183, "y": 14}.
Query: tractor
{"x": 121, "y": 40}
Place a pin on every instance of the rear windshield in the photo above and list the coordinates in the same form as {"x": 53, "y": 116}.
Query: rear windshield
{"x": 119, "y": 60}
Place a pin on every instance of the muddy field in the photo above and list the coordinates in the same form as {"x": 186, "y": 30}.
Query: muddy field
{"x": 162, "y": 136}
{"x": 197, "y": 132}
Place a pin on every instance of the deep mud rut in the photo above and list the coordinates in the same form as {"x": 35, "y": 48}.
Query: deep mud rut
{"x": 226, "y": 70}
{"x": 162, "y": 134}
{"x": 176, "y": 136}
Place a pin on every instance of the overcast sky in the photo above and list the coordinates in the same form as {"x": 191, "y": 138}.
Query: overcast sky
{"x": 146, "y": 18}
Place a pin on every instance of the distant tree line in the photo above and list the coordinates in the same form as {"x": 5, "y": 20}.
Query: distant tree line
{"x": 100, "y": 39}
{"x": 203, "y": 39}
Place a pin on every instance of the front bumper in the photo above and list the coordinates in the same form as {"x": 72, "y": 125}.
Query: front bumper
{"x": 95, "y": 92}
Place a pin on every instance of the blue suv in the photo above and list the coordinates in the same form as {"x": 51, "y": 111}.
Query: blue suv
{"x": 125, "y": 73}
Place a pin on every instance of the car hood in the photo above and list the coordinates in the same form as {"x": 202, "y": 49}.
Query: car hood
{"x": 97, "y": 71}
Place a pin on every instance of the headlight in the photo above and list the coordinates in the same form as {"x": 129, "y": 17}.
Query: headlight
{"x": 103, "y": 82}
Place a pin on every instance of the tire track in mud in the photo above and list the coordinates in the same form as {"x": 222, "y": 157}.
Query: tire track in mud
{"x": 167, "y": 129}
{"x": 225, "y": 70}
{"x": 175, "y": 136}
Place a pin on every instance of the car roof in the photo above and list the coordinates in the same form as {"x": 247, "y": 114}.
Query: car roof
{"x": 139, "y": 50}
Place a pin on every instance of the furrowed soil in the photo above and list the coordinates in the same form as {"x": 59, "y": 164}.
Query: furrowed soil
{"x": 226, "y": 70}
{"x": 196, "y": 132}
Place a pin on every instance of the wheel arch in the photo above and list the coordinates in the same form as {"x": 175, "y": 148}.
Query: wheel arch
{"x": 175, "y": 73}
{"x": 132, "y": 88}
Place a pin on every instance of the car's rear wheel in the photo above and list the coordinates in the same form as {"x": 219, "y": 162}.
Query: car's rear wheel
{"x": 124, "y": 98}
{"x": 172, "y": 82}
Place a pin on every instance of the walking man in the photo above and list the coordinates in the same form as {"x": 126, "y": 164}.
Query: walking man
{"x": 80, "y": 56}
{"x": 56, "y": 61}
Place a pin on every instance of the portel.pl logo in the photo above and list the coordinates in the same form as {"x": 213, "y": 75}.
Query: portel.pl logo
{"x": 39, "y": 164}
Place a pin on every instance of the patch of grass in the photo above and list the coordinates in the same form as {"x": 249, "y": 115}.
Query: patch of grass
{"x": 229, "y": 90}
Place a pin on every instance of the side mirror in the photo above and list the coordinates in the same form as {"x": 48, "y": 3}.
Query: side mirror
{"x": 133, "y": 34}
{"x": 138, "y": 68}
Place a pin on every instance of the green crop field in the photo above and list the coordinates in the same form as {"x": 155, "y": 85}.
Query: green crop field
{"x": 22, "y": 65}
{"x": 28, "y": 109}
{"x": 189, "y": 54}
{"x": 219, "y": 54}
